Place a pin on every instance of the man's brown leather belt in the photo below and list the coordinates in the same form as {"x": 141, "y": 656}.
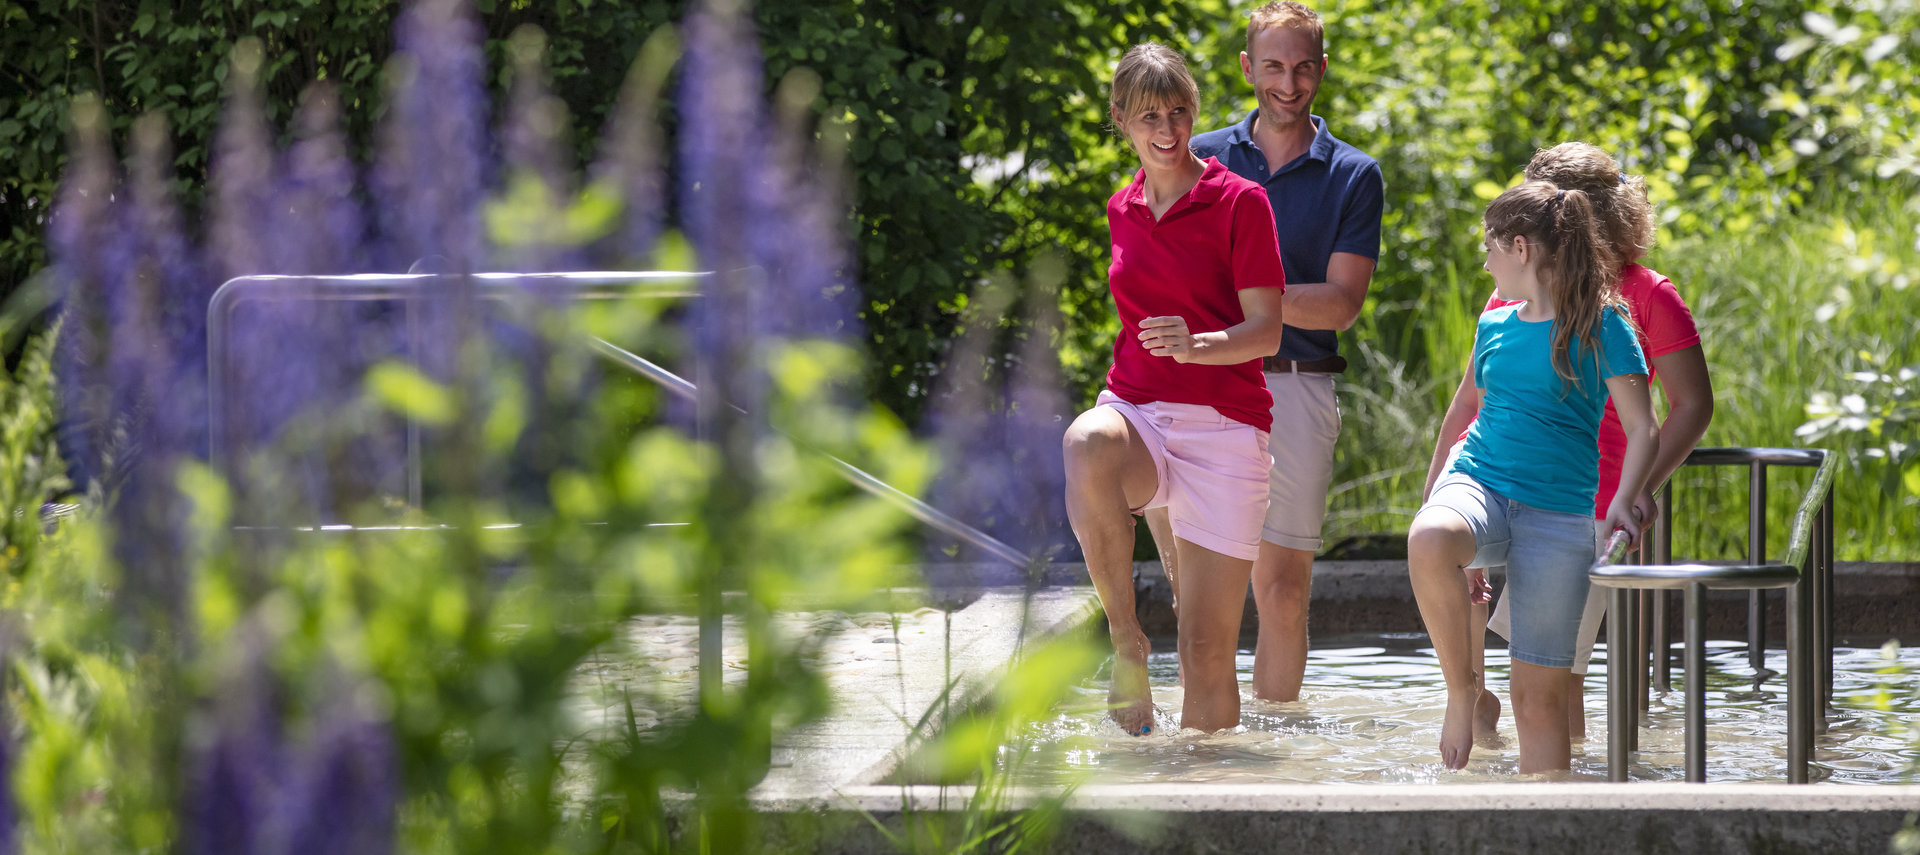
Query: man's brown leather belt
{"x": 1277, "y": 365}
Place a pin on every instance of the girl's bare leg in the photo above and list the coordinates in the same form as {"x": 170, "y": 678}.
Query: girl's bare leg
{"x": 1439, "y": 546}
{"x": 1109, "y": 471}
{"x": 1213, "y": 595}
{"x": 1540, "y": 715}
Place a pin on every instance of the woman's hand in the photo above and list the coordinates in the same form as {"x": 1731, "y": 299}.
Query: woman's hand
{"x": 1167, "y": 336}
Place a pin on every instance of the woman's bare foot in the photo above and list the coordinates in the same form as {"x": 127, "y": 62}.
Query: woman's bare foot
{"x": 1456, "y": 731}
{"x": 1486, "y": 716}
{"x": 1130, "y": 697}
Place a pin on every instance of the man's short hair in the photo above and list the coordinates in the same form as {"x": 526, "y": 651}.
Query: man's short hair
{"x": 1289, "y": 14}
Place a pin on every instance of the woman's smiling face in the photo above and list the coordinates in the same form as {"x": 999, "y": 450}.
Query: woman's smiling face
{"x": 1159, "y": 134}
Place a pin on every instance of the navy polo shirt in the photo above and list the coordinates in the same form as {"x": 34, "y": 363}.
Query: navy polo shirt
{"x": 1325, "y": 201}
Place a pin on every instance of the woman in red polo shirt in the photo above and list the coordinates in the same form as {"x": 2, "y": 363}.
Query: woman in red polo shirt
{"x": 1183, "y": 422}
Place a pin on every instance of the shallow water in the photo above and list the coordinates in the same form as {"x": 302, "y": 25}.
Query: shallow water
{"x": 1371, "y": 710}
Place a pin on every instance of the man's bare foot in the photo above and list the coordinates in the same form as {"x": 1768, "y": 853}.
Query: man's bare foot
{"x": 1486, "y": 716}
{"x": 1456, "y": 731}
{"x": 1130, "y": 697}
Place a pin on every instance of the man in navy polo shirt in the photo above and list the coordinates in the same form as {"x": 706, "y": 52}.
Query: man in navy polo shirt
{"x": 1327, "y": 198}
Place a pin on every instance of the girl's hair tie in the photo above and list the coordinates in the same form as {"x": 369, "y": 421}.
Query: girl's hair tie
{"x": 1560, "y": 196}
{"x": 1623, "y": 178}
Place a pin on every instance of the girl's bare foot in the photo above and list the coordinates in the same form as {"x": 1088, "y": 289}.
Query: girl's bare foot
{"x": 1456, "y": 731}
{"x": 1486, "y": 716}
{"x": 1130, "y": 699}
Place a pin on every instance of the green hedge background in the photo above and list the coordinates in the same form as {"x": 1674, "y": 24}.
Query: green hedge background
{"x": 1778, "y": 139}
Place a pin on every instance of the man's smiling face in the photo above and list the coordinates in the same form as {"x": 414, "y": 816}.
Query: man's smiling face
{"x": 1284, "y": 66}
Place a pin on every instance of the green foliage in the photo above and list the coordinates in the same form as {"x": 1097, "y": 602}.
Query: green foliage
{"x": 31, "y": 471}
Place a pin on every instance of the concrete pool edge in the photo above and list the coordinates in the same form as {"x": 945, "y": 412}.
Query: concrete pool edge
{"x": 1564, "y": 818}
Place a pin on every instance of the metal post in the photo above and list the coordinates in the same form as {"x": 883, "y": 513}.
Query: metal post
{"x": 1799, "y": 682}
{"x": 1694, "y": 605}
{"x": 1818, "y": 665}
{"x": 1757, "y": 554}
{"x": 1619, "y": 703}
{"x": 1662, "y": 554}
{"x": 1825, "y": 617}
{"x": 1643, "y": 644}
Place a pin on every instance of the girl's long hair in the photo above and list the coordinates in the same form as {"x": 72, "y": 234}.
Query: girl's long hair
{"x": 1619, "y": 200}
{"x": 1578, "y": 269}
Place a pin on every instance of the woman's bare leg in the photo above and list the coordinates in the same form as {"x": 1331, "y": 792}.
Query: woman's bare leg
{"x": 1161, "y": 525}
{"x": 1486, "y": 705}
{"x": 1109, "y": 472}
{"x": 1213, "y": 595}
{"x": 1439, "y": 546}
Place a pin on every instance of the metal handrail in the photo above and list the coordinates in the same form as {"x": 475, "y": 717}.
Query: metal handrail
{"x": 591, "y": 285}
{"x": 853, "y": 474}
{"x": 402, "y": 287}
{"x": 1804, "y": 572}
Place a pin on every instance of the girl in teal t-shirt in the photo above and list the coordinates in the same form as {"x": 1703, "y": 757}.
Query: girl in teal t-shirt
{"x": 1521, "y": 490}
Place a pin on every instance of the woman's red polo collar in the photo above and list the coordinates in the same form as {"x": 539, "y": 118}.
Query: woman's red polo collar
{"x": 1206, "y": 191}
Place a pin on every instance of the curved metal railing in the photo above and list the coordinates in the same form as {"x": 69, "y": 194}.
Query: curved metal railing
{"x": 1805, "y": 572}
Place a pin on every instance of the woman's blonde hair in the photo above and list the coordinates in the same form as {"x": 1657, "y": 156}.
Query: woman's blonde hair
{"x": 1152, "y": 75}
{"x": 1619, "y": 200}
{"x": 1577, "y": 269}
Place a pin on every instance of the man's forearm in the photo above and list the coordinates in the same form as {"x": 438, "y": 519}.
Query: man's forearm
{"x": 1321, "y": 306}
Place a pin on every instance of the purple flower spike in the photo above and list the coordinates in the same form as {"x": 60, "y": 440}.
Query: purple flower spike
{"x": 802, "y": 242}
{"x": 81, "y": 235}
{"x": 997, "y": 423}
{"x": 343, "y": 794}
{"x": 723, "y": 182}
{"x": 318, "y": 190}
{"x": 537, "y": 149}
{"x": 243, "y": 241}
{"x": 631, "y": 155}
{"x": 433, "y": 166}
{"x": 236, "y": 758}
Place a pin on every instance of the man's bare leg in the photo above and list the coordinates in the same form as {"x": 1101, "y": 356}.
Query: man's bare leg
{"x": 1213, "y": 595}
{"x": 1109, "y": 471}
{"x": 1439, "y": 546}
{"x": 1282, "y": 585}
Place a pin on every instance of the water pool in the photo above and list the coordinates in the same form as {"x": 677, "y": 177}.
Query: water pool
{"x": 1371, "y": 709}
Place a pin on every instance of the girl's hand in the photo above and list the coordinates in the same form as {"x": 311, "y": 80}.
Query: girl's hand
{"x": 1621, "y": 518}
{"x": 1167, "y": 335}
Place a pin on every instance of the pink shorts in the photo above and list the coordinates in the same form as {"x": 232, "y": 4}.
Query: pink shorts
{"x": 1212, "y": 472}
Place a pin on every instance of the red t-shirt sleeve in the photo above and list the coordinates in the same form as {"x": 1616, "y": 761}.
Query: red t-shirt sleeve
{"x": 1665, "y": 323}
{"x": 1256, "y": 245}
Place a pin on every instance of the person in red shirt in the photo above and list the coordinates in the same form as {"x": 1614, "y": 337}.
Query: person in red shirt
{"x": 1672, "y": 347}
{"x": 1197, "y": 281}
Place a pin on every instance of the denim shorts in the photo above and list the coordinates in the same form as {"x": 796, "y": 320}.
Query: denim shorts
{"x": 1547, "y": 554}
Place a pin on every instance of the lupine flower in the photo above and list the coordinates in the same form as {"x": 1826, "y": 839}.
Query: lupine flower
{"x": 236, "y": 759}
{"x": 723, "y": 190}
{"x": 343, "y": 791}
{"x": 631, "y": 155}
{"x": 80, "y": 234}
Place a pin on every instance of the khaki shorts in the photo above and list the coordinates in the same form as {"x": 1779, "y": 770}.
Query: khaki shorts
{"x": 1306, "y": 423}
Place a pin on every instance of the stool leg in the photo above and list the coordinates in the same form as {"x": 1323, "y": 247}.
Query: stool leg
{"x": 1696, "y": 621}
{"x": 1799, "y": 678}
{"x": 1619, "y": 699}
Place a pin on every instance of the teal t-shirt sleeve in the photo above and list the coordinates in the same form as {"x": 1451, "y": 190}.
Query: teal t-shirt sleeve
{"x": 1620, "y": 346}
{"x": 1479, "y": 341}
